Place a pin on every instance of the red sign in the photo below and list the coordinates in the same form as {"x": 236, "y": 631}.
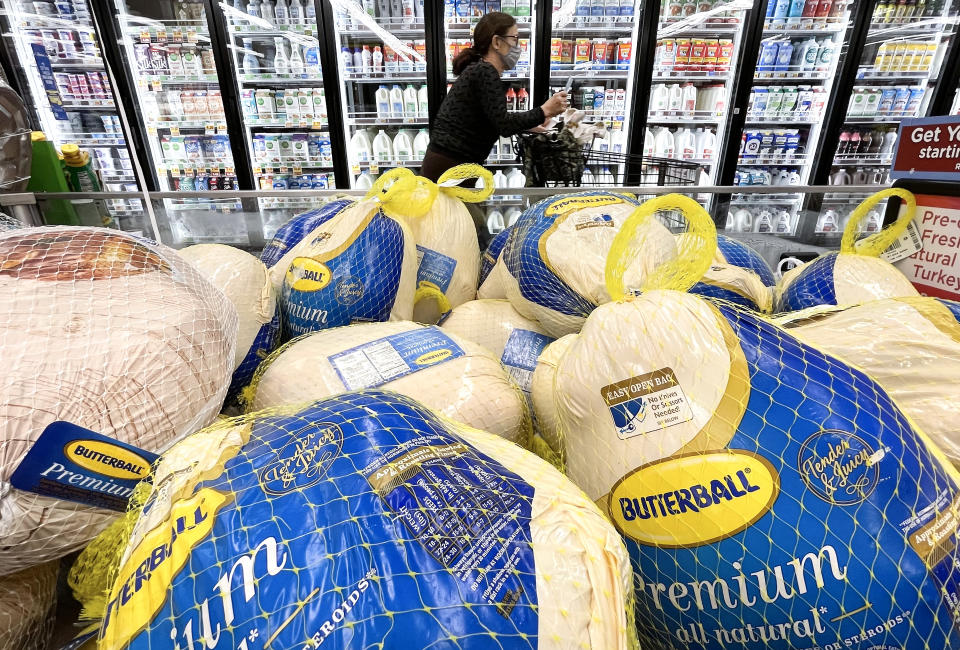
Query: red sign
{"x": 935, "y": 270}
{"x": 928, "y": 149}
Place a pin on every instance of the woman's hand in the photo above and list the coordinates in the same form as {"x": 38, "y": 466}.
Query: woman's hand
{"x": 556, "y": 104}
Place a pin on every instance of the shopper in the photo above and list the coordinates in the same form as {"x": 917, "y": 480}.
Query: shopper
{"x": 474, "y": 113}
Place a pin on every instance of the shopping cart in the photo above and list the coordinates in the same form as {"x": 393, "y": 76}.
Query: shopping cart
{"x": 558, "y": 159}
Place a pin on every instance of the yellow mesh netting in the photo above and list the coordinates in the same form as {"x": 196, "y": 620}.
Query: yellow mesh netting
{"x": 878, "y": 242}
{"x": 467, "y": 194}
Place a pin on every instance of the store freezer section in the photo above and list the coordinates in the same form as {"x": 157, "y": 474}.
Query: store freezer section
{"x": 60, "y": 61}
{"x": 383, "y": 86}
{"x": 274, "y": 48}
{"x": 796, "y": 68}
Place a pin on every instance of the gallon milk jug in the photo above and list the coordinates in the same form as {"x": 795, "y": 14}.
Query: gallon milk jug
{"x": 420, "y": 144}
{"x": 360, "y": 147}
{"x": 516, "y": 179}
{"x": 495, "y": 221}
{"x": 382, "y": 148}
{"x": 403, "y": 147}
{"x": 364, "y": 181}
{"x": 648, "y": 143}
{"x": 675, "y": 103}
{"x": 396, "y": 101}
{"x": 422, "y": 101}
{"x": 661, "y": 98}
{"x": 664, "y": 144}
{"x": 383, "y": 103}
{"x": 689, "y": 99}
{"x": 685, "y": 145}
{"x": 410, "y": 101}
{"x": 499, "y": 179}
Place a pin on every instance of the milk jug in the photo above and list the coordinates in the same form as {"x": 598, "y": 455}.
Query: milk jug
{"x": 383, "y": 103}
{"x": 382, "y": 147}
{"x": 420, "y": 144}
{"x": 403, "y": 147}
{"x": 360, "y": 147}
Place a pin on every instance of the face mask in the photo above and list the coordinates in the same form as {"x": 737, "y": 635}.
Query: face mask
{"x": 510, "y": 58}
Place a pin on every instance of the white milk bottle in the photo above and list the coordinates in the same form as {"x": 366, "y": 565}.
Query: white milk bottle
{"x": 383, "y": 103}
{"x": 664, "y": 145}
{"x": 410, "y": 101}
{"x": 685, "y": 144}
{"x": 675, "y": 100}
{"x": 364, "y": 181}
{"x": 360, "y": 147}
{"x": 280, "y": 62}
{"x": 689, "y": 99}
{"x": 396, "y": 101}
{"x": 499, "y": 179}
{"x": 382, "y": 148}
{"x": 422, "y": 100}
{"x": 661, "y": 98}
{"x": 420, "y": 144}
{"x": 403, "y": 147}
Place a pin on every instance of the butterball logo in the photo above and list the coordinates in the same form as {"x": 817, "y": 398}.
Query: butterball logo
{"x": 839, "y": 467}
{"x": 348, "y": 291}
{"x": 307, "y": 274}
{"x": 304, "y": 460}
{"x": 694, "y": 499}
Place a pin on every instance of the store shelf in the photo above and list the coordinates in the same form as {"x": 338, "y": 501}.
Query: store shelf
{"x": 281, "y": 80}
{"x": 686, "y": 76}
{"x": 253, "y": 31}
{"x": 90, "y": 63}
{"x": 312, "y": 125}
{"x": 87, "y": 104}
{"x": 464, "y": 29}
{"x": 883, "y": 119}
{"x": 388, "y": 121}
{"x": 784, "y": 121}
{"x": 289, "y": 166}
{"x": 598, "y": 29}
{"x": 117, "y": 175}
{"x": 679, "y": 118}
{"x": 89, "y": 141}
{"x": 775, "y": 161}
{"x": 176, "y": 80}
{"x": 899, "y": 76}
{"x": 399, "y": 29}
{"x": 212, "y": 123}
{"x": 817, "y": 28}
{"x": 926, "y": 26}
{"x": 700, "y": 29}
{"x": 804, "y": 78}
{"x": 384, "y": 164}
{"x": 845, "y": 160}
{"x": 374, "y": 79}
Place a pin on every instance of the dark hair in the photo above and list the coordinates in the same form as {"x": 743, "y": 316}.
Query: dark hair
{"x": 492, "y": 24}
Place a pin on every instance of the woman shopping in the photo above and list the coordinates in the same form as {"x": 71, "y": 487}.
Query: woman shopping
{"x": 474, "y": 113}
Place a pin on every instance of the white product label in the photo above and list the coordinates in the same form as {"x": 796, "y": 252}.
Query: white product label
{"x": 646, "y": 403}
{"x": 905, "y": 245}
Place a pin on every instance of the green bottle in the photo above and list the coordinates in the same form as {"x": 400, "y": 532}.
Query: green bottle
{"x": 46, "y": 175}
{"x": 82, "y": 178}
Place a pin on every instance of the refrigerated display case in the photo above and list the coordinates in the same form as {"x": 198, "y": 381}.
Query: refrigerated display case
{"x": 274, "y": 48}
{"x": 383, "y": 85}
{"x": 167, "y": 50}
{"x": 900, "y": 65}
{"x": 59, "y": 60}
{"x": 795, "y": 73}
{"x": 591, "y": 46}
{"x": 697, "y": 52}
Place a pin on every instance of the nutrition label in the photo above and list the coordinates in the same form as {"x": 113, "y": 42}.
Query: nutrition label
{"x": 377, "y": 362}
{"x": 469, "y": 513}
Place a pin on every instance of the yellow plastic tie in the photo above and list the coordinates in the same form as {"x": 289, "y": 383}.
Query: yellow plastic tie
{"x": 430, "y": 290}
{"x": 403, "y": 194}
{"x": 876, "y": 243}
{"x": 448, "y": 183}
{"x": 694, "y": 255}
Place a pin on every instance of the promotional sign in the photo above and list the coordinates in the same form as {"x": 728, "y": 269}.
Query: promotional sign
{"x": 935, "y": 269}
{"x": 928, "y": 149}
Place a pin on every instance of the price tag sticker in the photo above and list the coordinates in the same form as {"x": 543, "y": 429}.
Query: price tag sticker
{"x": 257, "y": 170}
{"x": 317, "y": 124}
{"x": 174, "y": 130}
{"x": 208, "y": 129}
{"x": 355, "y": 169}
{"x": 374, "y": 168}
{"x": 177, "y": 36}
{"x": 174, "y": 170}
{"x": 151, "y": 130}
{"x": 221, "y": 128}
{"x": 191, "y": 35}
{"x": 283, "y": 170}
{"x": 161, "y": 35}
{"x": 144, "y": 36}
{"x": 298, "y": 170}
{"x": 229, "y": 171}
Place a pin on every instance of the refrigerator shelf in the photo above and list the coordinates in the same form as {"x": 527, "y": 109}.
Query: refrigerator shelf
{"x": 382, "y": 164}
{"x": 676, "y": 119}
{"x": 274, "y": 80}
{"x": 91, "y": 62}
{"x": 117, "y": 176}
{"x": 783, "y": 161}
{"x": 388, "y": 121}
{"x": 616, "y": 28}
{"x": 250, "y": 31}
{"x": 291, "y": 167}
{"x": 399, "y": 32}
{"x": 683, "y": 76}
{"x": 791, "y": 77}
{"x": 99, "y": 142}
{"x": 313, "y": 125}
{"x": 880, "y": 119}
{"x": 189, "y": 124}
{"x": 788, "y": 121}
{"x": 589, "y": 74}
{"x": 173, "y": 80}
{"x": 845, "y": 160}
{"x": 867, "y": 74}
{"x": 461, "y": 29}
{"x": 87, "y": 104}
{"x": 723, "y": 29}
{"x": 373, "y": 79}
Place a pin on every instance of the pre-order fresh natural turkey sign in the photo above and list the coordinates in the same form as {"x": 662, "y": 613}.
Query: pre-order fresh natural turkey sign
{"x": 928, "y": 149}
{"x": 935, "y": 269}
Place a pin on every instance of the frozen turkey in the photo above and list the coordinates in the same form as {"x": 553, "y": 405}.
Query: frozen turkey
{"x": 362, "y": 521}
{"x": 360, "y": 265}
{"x": 450, "y": 374}
{"x": 244, "y": 280}
{"x": 491, "y": 268}
{"x": 910, "y": 346}
{"x": 28, "y": 601}
{"x": 447, "y": 246}
{"x": 554, "y": 259}
{"x": 292, "y": 232}
{"x": 546, "y": 423}
{"x": 765, "y": 489}
{"x": 107, "y": 332}
{"x": 856, "y": 273}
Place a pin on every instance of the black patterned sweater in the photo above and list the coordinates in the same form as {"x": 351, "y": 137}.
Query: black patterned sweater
{"x": 474, "y": 114}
